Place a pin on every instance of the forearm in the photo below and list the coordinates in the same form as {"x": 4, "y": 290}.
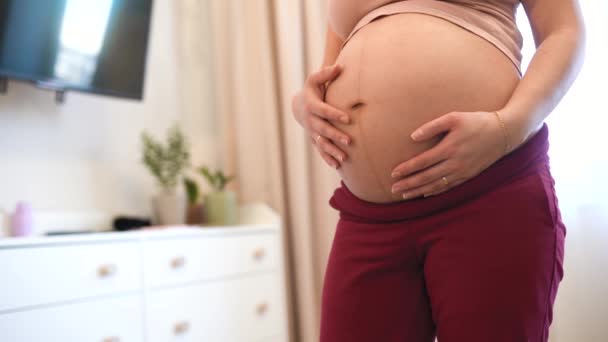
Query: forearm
{"x": 551, "y": 72}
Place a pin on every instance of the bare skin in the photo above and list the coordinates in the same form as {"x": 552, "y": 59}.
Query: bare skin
{"x": 457, "y": 144}
{"x": 401, "y": 71}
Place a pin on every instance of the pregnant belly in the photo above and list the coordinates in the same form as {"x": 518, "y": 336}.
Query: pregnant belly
{"x": 401, "y": 71}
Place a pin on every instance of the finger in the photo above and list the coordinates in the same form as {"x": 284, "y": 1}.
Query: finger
{"x": 328, "y": 112}
{"x": 330, "y": 148}
{"x": 435, "y": 186}
{"x": 452, "y": 185}
{"x": 420, "y": 162}
{"x": 434, "y": 193}
{"x": 331, "y": 161}
{"x": 432, "y": 128}
{"x": 326, "y": 74}
{"x": 425, "y": 177}
{"x": 328, "y": 131}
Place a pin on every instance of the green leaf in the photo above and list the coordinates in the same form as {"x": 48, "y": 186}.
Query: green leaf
{"x": 166, "y": 162}
{"x": 217, "y": 180}
{"x": 191, "y": 190}
{"x": 208, "y": 176}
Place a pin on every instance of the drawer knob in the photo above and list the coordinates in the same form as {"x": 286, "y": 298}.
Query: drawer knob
{"x": 258, "y": 254}
{"x": 105, "y": 271}
{"x": 111, "y": 339}
{"x": 181, "y": 328}
{"x": 262, "y": 308}
{"x": 178, "y": 262}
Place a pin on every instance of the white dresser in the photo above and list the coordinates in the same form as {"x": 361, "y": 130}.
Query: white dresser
{"x": 212, "y": 284}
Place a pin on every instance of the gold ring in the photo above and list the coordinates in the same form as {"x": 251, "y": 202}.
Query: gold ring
{"x": 317, "y": 138}
{"x": 445, "y": 181}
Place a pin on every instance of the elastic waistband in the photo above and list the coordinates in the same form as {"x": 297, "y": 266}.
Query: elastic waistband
{"x": 528, "y": 157}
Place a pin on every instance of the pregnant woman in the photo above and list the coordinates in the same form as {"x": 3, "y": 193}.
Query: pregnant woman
{"x": 449, "y": 223}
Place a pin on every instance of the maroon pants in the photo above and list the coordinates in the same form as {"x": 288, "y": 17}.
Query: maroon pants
{"x": 478, "y": 263}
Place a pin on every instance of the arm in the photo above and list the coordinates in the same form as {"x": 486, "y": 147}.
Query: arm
{"x": 559, "y": 34}
{"x": 474, "y": 140}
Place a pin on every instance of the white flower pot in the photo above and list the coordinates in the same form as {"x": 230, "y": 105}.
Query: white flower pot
{"x": 169, "y": 209}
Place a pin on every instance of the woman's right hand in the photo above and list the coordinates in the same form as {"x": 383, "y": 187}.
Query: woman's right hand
{"x": 314, "y": 115}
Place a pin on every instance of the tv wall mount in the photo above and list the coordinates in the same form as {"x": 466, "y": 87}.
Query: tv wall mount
{"x": 60, "y": 92}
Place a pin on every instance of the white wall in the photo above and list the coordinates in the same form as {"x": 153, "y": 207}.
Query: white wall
{"x": 85, "y": 154}
{"x": 579, "y": 163}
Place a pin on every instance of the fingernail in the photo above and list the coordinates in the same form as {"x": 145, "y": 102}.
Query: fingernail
{"x": 395, "y": 189}
{"x": 406, "y": 196}
{"x": 344, "y": 119}
{"x": 341, "y": 158}
{"x": 395, "y": 174}
{"x": 344, "y": 141}
{"x": 416, "y": 135}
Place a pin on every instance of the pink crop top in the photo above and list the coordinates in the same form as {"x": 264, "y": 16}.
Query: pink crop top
{"x": 493, "y": 20}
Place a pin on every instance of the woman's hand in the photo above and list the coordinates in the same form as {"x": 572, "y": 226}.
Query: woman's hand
{"x": 473, "y": 142}
{"x": 313, "y": 114}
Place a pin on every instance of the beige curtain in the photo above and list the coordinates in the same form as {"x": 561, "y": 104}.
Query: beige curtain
{"x": 260, "y": 52}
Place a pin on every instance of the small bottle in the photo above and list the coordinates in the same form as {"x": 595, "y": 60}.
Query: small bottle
{"x": 21, "y": 220}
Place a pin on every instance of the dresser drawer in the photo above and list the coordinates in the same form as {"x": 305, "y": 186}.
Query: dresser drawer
{"x": 170, "y": 262}
{"x": 236, "y": 310}
{"x": 33, "y": 276}
{"x": 109, "y": 320}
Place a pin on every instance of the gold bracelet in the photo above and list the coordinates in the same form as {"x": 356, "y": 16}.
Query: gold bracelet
{"x": 505, "y": 132}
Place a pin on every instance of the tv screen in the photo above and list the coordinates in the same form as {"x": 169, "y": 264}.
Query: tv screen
{"x": 96, "y": 46}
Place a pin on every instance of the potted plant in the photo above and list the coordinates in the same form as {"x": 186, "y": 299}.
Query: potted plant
{"x": 194, "y": 213}
{"x": 166, "y": 162}
{"x": 220, "y": 205}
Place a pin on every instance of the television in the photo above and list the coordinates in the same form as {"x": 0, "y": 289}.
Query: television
{"x": 95, "y": 46}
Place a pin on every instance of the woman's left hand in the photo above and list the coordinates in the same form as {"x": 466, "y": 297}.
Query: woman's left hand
{"x": 473, "y": 141}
